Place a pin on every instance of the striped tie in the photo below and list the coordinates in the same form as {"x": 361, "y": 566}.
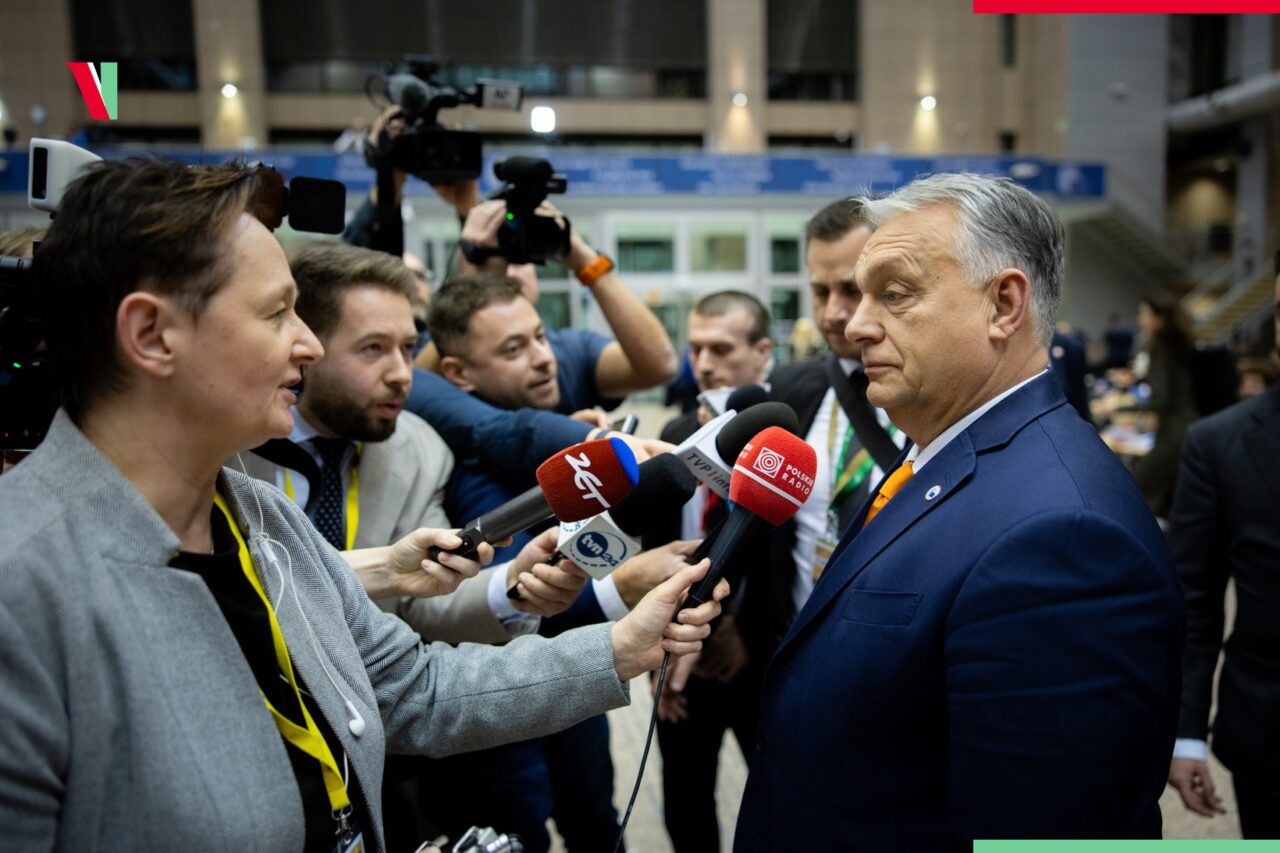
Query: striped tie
{"x": 896, "y": 481}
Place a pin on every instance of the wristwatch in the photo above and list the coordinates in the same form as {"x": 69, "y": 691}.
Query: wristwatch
{"x": 591, "y": 273}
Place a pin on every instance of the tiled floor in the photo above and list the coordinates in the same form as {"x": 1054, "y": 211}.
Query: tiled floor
{"x": 645, "y": 832}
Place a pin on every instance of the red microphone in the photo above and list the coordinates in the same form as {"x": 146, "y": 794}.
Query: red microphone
{"x": 771, "y": 480}
{"x": 576, "y": 483}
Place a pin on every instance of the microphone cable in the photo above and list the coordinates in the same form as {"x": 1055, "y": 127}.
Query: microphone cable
{"x": 703, "y": 549}
{"x": 644, "y": 756}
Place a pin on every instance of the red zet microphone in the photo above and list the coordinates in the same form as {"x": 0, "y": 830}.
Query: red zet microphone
{"x": 771, "y": 480}
{"x": 576, "y": 483}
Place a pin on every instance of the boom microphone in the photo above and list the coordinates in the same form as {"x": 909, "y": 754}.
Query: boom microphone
{"x": 599, "y": 545}
{"x": 576, "y": 483}
{"x": 771, "y": 480}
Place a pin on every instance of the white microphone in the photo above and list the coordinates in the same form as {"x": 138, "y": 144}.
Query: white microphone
{"x": 600, "y": 544}
{"x": 596, "y": 545}
{"x": 698, "y": 453}
{"x": 710, "y": 453}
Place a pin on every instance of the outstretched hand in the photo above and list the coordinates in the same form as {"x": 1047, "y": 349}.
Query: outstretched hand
{"x": 642, "y": 636}
{"x": 409, "y": 572}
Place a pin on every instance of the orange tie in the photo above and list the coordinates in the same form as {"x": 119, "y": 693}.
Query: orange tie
{"x": 896, "y": 481}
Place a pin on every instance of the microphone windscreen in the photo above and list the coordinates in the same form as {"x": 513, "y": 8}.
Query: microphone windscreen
{"x": 773, "y": 476}
{"x": 746, "y": 396}
{"x": 737, "y": 432}
{"x": 665, "y": 485}
{"x": 588, "y": 478}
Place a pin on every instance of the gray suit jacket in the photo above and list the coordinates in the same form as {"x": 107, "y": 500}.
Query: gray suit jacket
{"x": 402, "y": 483}
{"x": 131, "y": 719}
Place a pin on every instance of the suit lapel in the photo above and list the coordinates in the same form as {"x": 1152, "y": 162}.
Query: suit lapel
{"x": 1263, "y": 442}
{"x": 941, "y": 478}
{"x": 946, "y": 473}
{"x": 379, "y": 479}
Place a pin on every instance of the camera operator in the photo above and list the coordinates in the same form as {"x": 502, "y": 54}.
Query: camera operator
{"x": 145, "y": 632}
{"x": 486, "y": 436}
{"x": 17, "y": 243}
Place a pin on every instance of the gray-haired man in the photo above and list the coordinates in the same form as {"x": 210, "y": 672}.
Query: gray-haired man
{"x": 993, "y": 648}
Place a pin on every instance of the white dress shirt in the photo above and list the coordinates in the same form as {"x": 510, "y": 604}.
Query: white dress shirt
{"x": 811, "y": 518}
{"x": 302, "y": 434}
{"x": 920, "y": 456}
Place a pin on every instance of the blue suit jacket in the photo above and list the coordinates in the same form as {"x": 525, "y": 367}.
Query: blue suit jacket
{"x": 999, "y": 660}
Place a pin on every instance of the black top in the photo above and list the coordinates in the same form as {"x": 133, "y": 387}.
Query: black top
{"x": 246, "y": 615}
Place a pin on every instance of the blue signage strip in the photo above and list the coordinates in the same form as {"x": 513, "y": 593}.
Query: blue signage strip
{"x": 706, "y": 175}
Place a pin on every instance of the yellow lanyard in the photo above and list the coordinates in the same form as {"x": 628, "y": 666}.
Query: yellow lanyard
{"x": 308, "y": 739}
{"x": 352, "y": 520}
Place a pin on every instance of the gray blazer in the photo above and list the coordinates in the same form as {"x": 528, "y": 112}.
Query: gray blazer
{"x": 131, "y": 719}
{"x": 402, "y": 483}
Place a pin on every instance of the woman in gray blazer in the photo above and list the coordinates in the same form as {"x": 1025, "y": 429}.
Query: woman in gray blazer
{"x": 185, "y": 664}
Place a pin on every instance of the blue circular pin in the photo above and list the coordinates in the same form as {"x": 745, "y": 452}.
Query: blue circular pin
{"x": 933, "y": 492}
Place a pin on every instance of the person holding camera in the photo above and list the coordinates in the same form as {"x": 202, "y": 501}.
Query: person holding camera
{"x": 190, "y": 665}
{"x": 492, "y": 437}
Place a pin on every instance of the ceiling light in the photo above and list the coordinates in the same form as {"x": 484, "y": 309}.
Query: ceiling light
{"x": 542, "y": 119}
{"x": 739, "y": 99}
{"x": 928, "y": 103}
{"x": 229, "y": 90}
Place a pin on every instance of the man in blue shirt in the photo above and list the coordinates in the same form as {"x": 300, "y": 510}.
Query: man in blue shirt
{"x": 492, "y": 344}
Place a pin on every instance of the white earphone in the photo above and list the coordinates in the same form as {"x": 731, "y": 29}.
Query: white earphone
{"x": 266, "y": 548}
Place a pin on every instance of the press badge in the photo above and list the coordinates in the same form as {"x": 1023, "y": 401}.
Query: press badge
{"x": 825, "y": 545}
{"x": 350, "y": 842}
{"x": 350, "y": 838}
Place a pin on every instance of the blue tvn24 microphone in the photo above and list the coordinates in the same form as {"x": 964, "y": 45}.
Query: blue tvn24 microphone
{"x": 600, "y": 544}
{"x": 576, "y": 483}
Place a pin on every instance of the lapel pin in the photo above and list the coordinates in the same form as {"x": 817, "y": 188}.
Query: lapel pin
{"x": 933, "y": 492}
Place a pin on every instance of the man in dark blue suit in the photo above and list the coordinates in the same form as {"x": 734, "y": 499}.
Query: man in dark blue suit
{"x": 993, "y": 650}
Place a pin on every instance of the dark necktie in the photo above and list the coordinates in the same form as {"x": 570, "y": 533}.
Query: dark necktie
{"x": 329, "y": 515}
{"x": 286, "y": 454}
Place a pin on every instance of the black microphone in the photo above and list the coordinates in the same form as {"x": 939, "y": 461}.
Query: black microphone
{"x": 737, "y": 432}
{"x": 746, "y": 396}
{"x": 664, "y": 483}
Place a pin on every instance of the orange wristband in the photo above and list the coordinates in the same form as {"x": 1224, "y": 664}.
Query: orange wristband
{"x": 591, "y": 273}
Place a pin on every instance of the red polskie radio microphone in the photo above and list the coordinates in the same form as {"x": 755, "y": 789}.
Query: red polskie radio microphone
{"x": 576, "y": 483}
{"x": 771, "y": 480}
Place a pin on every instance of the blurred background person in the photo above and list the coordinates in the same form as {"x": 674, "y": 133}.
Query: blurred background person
{"x": 1256, "y": 375}
{"x": 1225, "y": 528}
{"x": 1169, "y": 348}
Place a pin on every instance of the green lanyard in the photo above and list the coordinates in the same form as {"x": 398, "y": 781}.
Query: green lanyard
{"x": 853, "y": 472}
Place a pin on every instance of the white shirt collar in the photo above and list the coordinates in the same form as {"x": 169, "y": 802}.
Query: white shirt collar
{"x": 920, "y": 456}
{"x": 850, "y": 365}
{"x": 302, "y": 429}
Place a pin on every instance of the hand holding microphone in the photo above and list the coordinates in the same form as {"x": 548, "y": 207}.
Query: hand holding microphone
{"x": 578, "y": 482}
{"x": 771, "y": 480}
{"x": 546, "y": 587}
{"x": 644, "y": 635}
